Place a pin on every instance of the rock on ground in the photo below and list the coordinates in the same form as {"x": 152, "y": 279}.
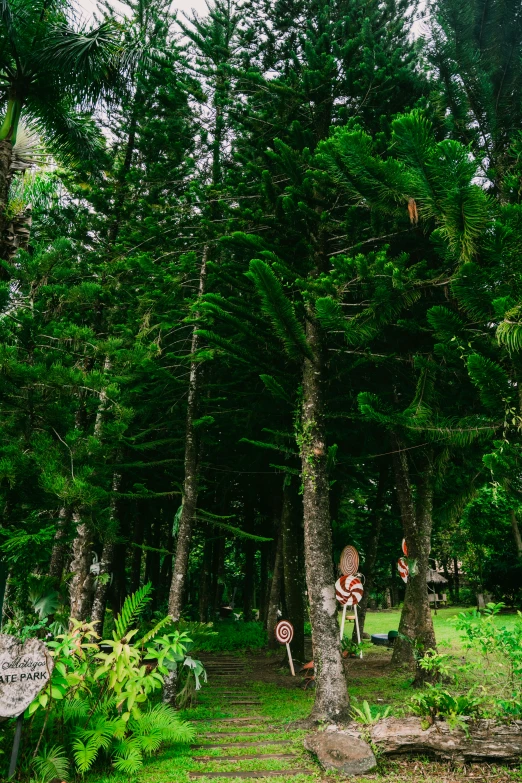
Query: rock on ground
{"x": 343, "y": 750}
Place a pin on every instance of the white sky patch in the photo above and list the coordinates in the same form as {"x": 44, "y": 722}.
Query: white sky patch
{"x": 88, "y": 7}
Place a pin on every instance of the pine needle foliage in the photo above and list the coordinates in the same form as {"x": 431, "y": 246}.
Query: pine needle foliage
{"x": 279, "y": 309}
{"x": 493, "y": 383}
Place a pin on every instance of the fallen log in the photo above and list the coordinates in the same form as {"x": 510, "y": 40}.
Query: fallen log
{"x": 483, "y": 739}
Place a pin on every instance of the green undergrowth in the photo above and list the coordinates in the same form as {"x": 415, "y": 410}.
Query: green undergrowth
{"x": 370, "y": 680}
{"x": 280, "y": 706}
{"x": 231, "y": 635}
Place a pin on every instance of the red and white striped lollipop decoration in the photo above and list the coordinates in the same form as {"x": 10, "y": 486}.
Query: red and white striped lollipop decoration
{"x": 349, "y": 562}
{"x": 405, "y": 547}
{"x": 403, "y": 569}
{"x": 339, "y": 592}
{"x": 348, "y": 590}
{"x": 284, "y": 632}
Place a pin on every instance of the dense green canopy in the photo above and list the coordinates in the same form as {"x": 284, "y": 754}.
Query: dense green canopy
{"x": 261, "y": 298}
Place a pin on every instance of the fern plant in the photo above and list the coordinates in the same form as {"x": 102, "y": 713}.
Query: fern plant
{"x": 50, "y": 764}
{"x": 97, "y": 704}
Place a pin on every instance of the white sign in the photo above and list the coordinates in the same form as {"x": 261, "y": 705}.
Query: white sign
{"x": 25, "y": 669}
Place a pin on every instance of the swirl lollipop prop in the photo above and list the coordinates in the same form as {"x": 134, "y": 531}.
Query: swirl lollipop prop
{"x": 349, "y": 562}
{"x": 405, "y": 547}
{"x": 403, "y": 569}
{"x": 284, "y": 633}
{"x": 349, "y": 591}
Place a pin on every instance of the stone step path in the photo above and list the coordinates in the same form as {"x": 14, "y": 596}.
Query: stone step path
{"x": 230, "y": 689}
{"x": 264, "y": 773}
{"x": 246, "y": 757}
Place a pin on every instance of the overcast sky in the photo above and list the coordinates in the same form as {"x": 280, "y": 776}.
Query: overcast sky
{"x": 89, "y": 6}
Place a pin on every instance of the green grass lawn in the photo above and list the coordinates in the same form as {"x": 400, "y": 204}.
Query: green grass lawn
{"x": 444, "y": 623}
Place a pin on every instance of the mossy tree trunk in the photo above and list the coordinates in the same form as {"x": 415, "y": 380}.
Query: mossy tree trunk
{"x": 292, "y": 533}
{"x": 249, "y": 547}
{"x": 274, "y": 598}
{"x": 331, "y": 696}
{"x": 82, "y": 584}
{"x": 59, "y": 550}
{"x": 372, "y": 548}
{"x": 190, "y": 483}
{"x": 137, "y": 552}
{"x": 416, "y": 633}
{"x": 6, "y": 154}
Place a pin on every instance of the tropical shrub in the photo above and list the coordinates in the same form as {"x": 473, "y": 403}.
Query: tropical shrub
{"x": 436, "y": 701}
{"x": 97, "y": 706}
{"x": 367, "y": 715}
{"x": 498, "y": 643}
{"x": 501, "y": 647}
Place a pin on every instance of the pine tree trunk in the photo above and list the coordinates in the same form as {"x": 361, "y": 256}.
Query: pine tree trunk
{"x": 6, "y": 154}
{"x": 218, "y": 562}
{"x": 122, "y": 178}
{"x": 166, "y": 569}
{"x": 82, "y": 585}
{"x": 263, "y": 583}
{"x": 118, "y": 589}
{"x": 204, "y": 589}
{"x": 275, "y": 594}
{"x": 331, "y": 695}
{"x": 137, "y": 554}
{"x": 516, "y": 533}
{"x": 293, "y": 578}
{"x": 59, "y": 550}
{"x": 372, "y": 550}
{"x": 190, "y": 484}
{"x": 248, "y": 579}
{"x": 102, "y": 586}
{"x": 416, "y": 622}
{"x": 152, "y": 558}
{"x": 456, "y": 579}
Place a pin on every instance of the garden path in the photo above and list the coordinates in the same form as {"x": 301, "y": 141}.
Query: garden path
{"x": 247, "y": 743}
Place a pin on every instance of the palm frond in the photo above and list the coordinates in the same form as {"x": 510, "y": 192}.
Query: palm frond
{"x": 84, "y": 58}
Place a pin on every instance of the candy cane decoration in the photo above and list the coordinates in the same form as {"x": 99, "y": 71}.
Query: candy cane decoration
{"x": 405, "y": 547}
{"x": 403, "y": 568}
{"x": 284, "y": 633}
{"x": 349, "y": 591}
{"x": 349, "y": 562}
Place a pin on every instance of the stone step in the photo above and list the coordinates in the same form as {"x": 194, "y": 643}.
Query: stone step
{"x": 251, "y": 700}
{"x": 221, "y": 692}
{"x": 248, "y": 757}
{"x": 261, "y": 718}
{"x": 265, "y": 773}
{"x": 233, "y": 734}
{"x": 241, "y": 744}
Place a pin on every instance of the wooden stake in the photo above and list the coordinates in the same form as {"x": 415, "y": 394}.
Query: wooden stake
{"x": 343, "y": 622}
{"x": 357, "y": 626}
{"x": 16, "y": 745}
{"x": 290, "y": 661}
